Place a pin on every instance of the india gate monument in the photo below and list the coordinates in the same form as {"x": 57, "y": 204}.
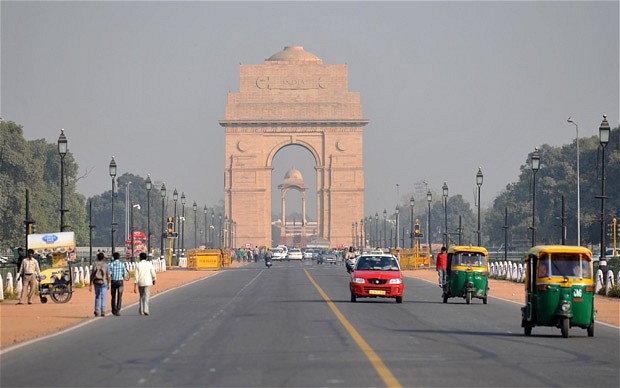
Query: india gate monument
{"x": 294, "y": 99}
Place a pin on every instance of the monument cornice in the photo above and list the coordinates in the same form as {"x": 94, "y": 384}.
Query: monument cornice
{"x": 293, "y": 123}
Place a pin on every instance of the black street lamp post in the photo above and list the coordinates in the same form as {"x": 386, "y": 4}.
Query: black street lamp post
{"x": 429, "y": 199}
{"x": 535, "y": 160}
{"x": 195, "y": 207}
{"x": 182, "y": 222}
{"x": 377, "y": 234}
{"x": 445, "y": 214}
{"x": 212, "y": 229}
{"x": 149, "y": 186}
{"x": 397, "y": 226}
{"x": 411, "y": 203}
{"x": 479, "y": 179}
{"x": 175, "y": 242}
{"x": 206, "y": 228}
{"x": 370, "y": 235}
{"x": 62, "y": 151}
{"x": 385, "y": 242}
{"x": 162, "y": 192}
{"x": 112, "y": 170}
{"x": 603, "y": 134}
{"x": 221, "y": 234}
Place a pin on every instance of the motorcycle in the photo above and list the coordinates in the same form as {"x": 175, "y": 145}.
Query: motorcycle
{"x": 350, "y": 263}
{"x": 268, "y": 263}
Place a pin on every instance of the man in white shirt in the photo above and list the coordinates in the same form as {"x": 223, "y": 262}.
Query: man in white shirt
{"x": 144, "y": 278}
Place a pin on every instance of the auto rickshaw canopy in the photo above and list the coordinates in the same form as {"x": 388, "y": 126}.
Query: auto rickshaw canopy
{"x": 560, "y": 262}
{"x": 469, "y": 256}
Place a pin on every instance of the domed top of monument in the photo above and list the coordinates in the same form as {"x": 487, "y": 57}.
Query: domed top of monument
{"x": 293, "y": 179}
{"x": 294, "y": 54}
{"x": 294, "y": 175}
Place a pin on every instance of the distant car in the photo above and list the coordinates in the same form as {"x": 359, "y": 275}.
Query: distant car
{"x": 327, "y": 257}
{"x": 277, "y": 254}
{"x": 294, "y": 254}
{"x": 377, "y": 276}
{"x": 307, "y": 253}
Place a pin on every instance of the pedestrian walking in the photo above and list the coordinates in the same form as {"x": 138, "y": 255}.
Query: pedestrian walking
{"x": 30, "y": 273}
{"x": 118, "y": 274}
{"x": 100, "y": 277}
{"x": 144, "y": 278}
{"x": 441, "y": 265}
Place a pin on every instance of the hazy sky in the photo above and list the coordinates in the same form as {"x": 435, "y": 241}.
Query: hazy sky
{"x": 447, "y": 86}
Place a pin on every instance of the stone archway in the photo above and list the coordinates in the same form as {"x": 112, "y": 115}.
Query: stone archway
{"x": 293, "y": 98}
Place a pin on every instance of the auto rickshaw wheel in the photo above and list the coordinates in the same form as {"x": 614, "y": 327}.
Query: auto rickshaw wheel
{"x": 484, "y": 300}
{"x": 445, "y": 297}
{"x": 591, "y": 330}
{"x": 468, "y": 297}
{"x": 353, "y": 297}
{"x": 61, "y": 294}
{"x": 564, "y": 327}
{"x": 527, "y": 328}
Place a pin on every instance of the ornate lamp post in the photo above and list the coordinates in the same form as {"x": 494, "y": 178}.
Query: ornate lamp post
{"x": 370, "y": 235}
{"x": 112, "y": 170}
{"x": 212, "y": 231}
{"x": 385, "y": 243}
{"x": 206, "y": 227}
{"x": 221, "y": 234}
{"x": 162, "y": 192}
{"x": 535, "y": 160}
{"x": 362, "y": 233}
{"x": 429, "y": 199}
{"x": 445, "y": 213}
{"x": 352, "y": 233}
{"x": 182, "y": 222}
{"x": 397, "y": 226}
{"x": 479, "y": 178}
{"x": 603, "y": 135}
{"x": 411, "y": 203}
{"x": 377, "y": 234}
{"x": 62, "y": 151}
{"x": 149, "y": 186}
{"x": 570, "y": 120}
{"x": 195, "y": 207}
{"x": 175, "y": 198}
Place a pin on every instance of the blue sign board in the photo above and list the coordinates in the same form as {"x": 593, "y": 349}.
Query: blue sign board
{"x": 50, "y": 238}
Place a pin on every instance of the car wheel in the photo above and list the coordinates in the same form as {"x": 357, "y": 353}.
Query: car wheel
{"x": 399, "y": 299}
{"x": 353, "y": 297}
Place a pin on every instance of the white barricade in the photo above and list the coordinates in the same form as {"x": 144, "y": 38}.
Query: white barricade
{"x": 491, "y": 270}
{"x": 599, "y": 281}
{"x": 618, "y": 278}
{"x": 163, "y": 265}
{"x": 520, "y": 273}
{"x": 183, "y": 262}
{"x": 1, "y": 289}
{"x": 81, "y": 272}
{"x": 609, "y": 282}
{"x": 76, "y": 275}
{"x": 87, "y": 275}
{"x": 9, "y": 282}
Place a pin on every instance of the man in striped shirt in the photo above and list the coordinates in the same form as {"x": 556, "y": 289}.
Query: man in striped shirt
{"x": 118, "y": 274}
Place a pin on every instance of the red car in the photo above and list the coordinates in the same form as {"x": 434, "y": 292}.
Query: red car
{"x": 377, "y": 276}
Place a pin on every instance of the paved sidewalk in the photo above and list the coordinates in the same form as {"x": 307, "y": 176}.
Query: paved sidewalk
{"x": 607, "y": 309}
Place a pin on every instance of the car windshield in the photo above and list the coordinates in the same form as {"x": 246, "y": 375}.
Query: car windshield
{"x": 564, "y": 265}
{"x": 473, "y": 259}
{"x": 377, "y": 263}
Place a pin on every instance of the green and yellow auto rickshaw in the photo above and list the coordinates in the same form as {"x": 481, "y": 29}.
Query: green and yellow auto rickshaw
{"x": 559, "y": 289}
{"x": 467, "y": 273}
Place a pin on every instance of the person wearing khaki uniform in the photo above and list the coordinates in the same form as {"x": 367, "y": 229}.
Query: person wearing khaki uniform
{"x": 29, "y": 273}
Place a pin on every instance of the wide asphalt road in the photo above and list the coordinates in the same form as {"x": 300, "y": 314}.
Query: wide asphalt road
{"x": 293, "y": 325}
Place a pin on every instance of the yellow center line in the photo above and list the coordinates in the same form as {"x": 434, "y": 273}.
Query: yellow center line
{"x": 386, "y": 375}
